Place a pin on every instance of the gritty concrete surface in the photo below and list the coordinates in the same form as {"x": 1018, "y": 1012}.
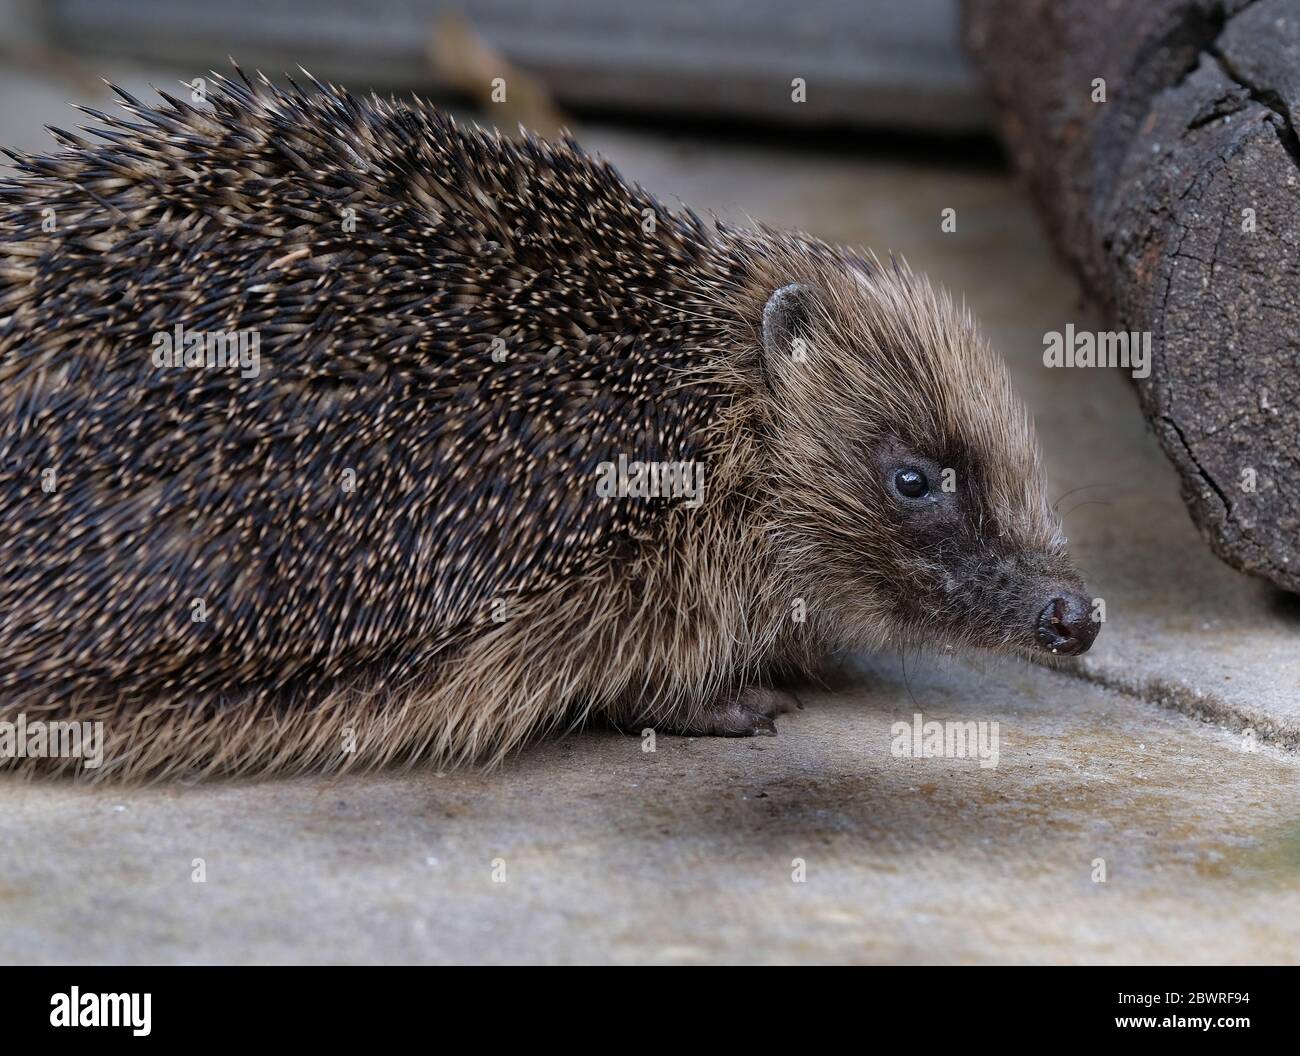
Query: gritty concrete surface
{"x": 686, "y": 854}
{"x": 593, "y": 850}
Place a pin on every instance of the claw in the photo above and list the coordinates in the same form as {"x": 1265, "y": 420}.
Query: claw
{"x": 748, "y": 713}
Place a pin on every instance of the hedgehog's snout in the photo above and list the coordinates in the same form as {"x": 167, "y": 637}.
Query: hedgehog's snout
{"x": 1066, "y": 626}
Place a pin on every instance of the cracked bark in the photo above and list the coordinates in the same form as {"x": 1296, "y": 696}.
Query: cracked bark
{"x": 1146, "y": 195}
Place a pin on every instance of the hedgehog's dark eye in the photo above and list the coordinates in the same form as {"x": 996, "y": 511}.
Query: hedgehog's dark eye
{"x": 911, "y": 483}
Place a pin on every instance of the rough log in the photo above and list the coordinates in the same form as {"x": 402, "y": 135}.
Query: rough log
{"x": 1177, "y": 200}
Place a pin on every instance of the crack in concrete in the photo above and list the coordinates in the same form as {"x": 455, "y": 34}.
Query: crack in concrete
{"x": 1203, "y": 707}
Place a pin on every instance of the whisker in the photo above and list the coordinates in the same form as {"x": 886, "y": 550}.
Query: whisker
{"x": 1072, "y": 491}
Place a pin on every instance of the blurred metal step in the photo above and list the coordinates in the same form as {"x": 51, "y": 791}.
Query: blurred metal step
{"x": 866, "y": 63}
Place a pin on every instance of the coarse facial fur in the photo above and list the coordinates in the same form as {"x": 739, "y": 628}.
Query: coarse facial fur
{"x": 891, "y": 375}
{"x": 388, "y": 545}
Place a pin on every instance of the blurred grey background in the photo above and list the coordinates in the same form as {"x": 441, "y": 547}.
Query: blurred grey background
{"x": 876, "y": 63}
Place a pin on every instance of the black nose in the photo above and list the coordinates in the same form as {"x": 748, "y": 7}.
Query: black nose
{"x": 1065, "y": 626}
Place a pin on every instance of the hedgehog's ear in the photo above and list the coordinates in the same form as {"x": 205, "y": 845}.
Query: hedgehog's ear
{"x": 787, "y": 328}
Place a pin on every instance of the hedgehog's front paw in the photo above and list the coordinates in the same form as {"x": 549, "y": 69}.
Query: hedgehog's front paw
{"x": 748, "y": 713}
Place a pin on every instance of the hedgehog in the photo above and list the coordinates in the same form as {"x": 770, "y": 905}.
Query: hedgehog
{"x": 516, "y": 447}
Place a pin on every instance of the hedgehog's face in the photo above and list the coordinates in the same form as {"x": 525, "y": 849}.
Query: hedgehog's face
{"x": 907, "y": 478}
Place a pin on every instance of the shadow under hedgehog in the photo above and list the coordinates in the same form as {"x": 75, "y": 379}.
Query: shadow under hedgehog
{"x": 392, "y": 540}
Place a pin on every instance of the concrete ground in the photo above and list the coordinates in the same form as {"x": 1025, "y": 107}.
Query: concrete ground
{"x": 1157, "y": 825}
{"x": 593, "y": 850}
